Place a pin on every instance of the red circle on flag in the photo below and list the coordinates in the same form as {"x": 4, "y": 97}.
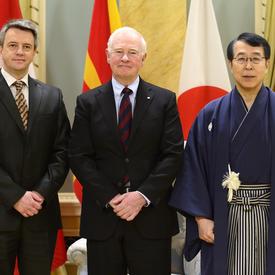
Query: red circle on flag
{"x": 191, "y": 101}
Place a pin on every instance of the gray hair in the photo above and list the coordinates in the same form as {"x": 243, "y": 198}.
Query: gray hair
{"x": 123, "y": 30}
{"x": 22, "y": 24}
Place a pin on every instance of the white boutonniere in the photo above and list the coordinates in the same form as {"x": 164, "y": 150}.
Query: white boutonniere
{"x": 232, "y": 182}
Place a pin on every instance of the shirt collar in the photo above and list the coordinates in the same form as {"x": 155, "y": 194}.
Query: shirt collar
{"x": 10, "y": 79}
{"x": 118, "y": 87}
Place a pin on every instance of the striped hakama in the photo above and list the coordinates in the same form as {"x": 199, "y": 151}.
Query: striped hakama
{"x": 248, "y": 230}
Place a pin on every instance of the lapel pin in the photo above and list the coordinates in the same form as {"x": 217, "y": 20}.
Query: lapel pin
{"x": 210, "y": 127}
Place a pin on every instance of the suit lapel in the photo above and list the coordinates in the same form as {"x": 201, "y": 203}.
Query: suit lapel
{"x": 35, "y": 95}
{"x": 105, "y": 98}
{"x": 144, "y": 98}
{"x": 106, "y": 101}
{"x": 8, "y": 100}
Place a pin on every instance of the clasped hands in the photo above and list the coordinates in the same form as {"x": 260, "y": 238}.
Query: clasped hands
{"x": 29, "y": 204}
{"x": 206, "y": 229}
{"x": 127, "y": 205}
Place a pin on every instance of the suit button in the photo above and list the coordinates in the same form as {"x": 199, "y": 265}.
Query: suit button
{"x": 127, "y": 160}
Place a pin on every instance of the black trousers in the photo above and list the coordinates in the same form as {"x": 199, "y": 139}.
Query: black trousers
{"x": 128, "y": 250}
{"x": 33, "y": 250}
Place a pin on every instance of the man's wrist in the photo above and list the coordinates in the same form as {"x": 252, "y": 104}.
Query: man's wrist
{"x": 147, "y": 201}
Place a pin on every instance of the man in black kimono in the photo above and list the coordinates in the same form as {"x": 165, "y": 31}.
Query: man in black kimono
{"x": 224, "y": 187}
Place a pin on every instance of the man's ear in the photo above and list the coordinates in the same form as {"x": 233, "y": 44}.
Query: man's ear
{"x": 229, "y": 63}
{"x": 267, "y": 64}
{"x": 107, "y": 55}
{"x": 144, "y": 57}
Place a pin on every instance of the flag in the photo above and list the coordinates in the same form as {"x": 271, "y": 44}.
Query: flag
{"x": 203, "y": 75}
{"x": 105, "y": 20}
{"x": 11, "y": 10}
{"x": 60, "y": 251}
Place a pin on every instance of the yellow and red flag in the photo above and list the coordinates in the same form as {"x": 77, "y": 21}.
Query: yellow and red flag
{"x": 105, "y": 20}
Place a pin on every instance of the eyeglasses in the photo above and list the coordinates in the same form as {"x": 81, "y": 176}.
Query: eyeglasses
{"x": 131, "y": 54}
{"x": 244, "y": 59}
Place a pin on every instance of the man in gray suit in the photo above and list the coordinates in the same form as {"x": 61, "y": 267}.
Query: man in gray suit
{"x": 34, "y": 131}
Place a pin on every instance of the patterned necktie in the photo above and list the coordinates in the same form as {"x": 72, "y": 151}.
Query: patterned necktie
{"x": 125, "y": 118}
{"x": 21, "y": 102}
{"x": 124, "y": 126}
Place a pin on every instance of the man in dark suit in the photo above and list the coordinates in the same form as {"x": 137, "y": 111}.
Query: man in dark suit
{"x": 125, "y": 149}
{"x": 34, "y": 131}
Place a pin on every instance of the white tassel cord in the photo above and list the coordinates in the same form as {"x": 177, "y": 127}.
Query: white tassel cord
{"x": 232, "y": 182}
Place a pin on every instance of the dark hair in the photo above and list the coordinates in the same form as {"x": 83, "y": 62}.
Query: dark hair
{"x": 22, "y": 24}
{"x": 251, "y": 39}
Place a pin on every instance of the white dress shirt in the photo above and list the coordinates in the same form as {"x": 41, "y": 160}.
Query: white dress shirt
{"x": 10, "y": 80}
{"x": 118, "y": 87}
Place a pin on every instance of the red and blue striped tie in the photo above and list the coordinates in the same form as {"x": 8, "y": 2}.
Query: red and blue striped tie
{"x": 124, "y": 126}
{"x": 125, "y": 118}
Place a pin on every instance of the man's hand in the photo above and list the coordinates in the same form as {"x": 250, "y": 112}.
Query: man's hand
{"x": 114, "y": 200}
{"x": 29, "y": 204}
{"x": 128, "y": 205}
{"x": 206, "y": 229}
{"x": 37, "y": 197}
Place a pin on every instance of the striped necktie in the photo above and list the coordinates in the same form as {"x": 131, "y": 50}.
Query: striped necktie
{"x": 124, "y": 127}
{"x": 21, "y": 102}
{"x": 125, "y": 118}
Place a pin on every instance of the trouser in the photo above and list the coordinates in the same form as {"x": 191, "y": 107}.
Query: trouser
{"x": 32, "y": 249}
{"x": 128, "y": 250}
{"x": 248, "y": 230}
